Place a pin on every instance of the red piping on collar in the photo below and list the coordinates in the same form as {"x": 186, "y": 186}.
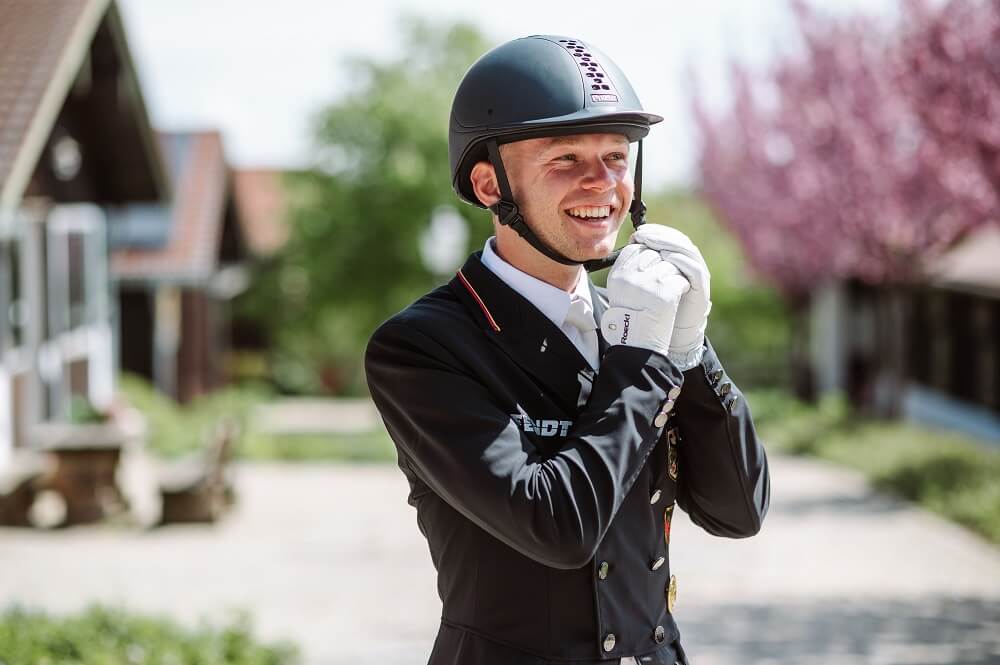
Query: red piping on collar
{"x": 479, "y": 300}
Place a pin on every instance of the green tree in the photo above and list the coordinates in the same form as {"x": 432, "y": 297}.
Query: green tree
{"x": 353, "y": 258}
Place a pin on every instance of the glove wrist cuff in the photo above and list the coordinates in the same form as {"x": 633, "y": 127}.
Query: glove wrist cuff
{"x": 687, "y": 359}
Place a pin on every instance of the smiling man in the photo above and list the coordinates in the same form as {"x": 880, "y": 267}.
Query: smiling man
{"x": 547, "y": 428}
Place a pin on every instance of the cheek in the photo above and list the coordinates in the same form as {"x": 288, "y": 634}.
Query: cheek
{"x": 626, "y": 188}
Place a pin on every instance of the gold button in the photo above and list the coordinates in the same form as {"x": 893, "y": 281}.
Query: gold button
{"x": 660, "y": 420}
{"x": 732, "y": 403}
{"x": 724, "y": 389}
{"x": 609, "y": 642}
{"x": 668, "y": 407}
{"x": 602, "y": 571}
{"x": 659, "y": 635}
{"x": 655, "y": 497}
{"x": 659, "y": 562}
{"x": 716, "y": 375}
{"x": 674, "y": 393}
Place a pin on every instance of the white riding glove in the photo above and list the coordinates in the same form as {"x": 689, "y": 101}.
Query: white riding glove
{"x": 643, "y": 292}
{"x": 692, "y": 312}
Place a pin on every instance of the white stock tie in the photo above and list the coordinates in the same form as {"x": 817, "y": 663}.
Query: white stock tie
{"x": 581, "y": 317}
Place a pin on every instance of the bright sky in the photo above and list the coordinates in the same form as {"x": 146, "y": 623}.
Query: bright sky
{"x": 257, "y": 69}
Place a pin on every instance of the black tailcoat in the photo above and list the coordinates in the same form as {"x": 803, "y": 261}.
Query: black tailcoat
{"x": 544, "y": 491}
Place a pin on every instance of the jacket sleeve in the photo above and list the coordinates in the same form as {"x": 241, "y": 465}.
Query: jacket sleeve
{"x": 723, "y": 480}
{"x": 464, "y": 444}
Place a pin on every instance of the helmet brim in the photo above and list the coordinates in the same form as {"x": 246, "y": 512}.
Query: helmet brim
{"x": 633, "y": 124}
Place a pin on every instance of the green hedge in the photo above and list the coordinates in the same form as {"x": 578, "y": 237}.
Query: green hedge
{"x": 110, "y": 636}
{"x": 947, "y": 473}
{"x": 176, "y": 430}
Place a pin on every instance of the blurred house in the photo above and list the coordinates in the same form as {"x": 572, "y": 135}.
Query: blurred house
{"x": 929, "y": 352}
{"x": 121, "y": 248}
{"x": 954, "y": 332}
{"x": 177, "y": 266}
{"x": 75, "y": 141}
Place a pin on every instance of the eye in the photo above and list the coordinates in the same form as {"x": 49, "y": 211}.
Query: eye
{"x": 617, "y": 156}
{"x": 569, "y": 157}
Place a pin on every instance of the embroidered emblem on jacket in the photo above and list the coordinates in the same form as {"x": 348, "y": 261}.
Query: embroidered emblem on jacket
{"x": 542, "y": 427}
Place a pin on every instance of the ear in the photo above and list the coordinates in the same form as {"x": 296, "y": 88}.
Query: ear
{"x": 484, "y": 183}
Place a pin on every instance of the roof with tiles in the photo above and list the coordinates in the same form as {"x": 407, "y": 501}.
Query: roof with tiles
{"x": 181, "y": 241}
{"x": 261, "y": 203}
{"x": 43, "y": 43}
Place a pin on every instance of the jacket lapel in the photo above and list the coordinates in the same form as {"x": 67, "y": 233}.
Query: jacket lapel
{"x": 526, "y": 335}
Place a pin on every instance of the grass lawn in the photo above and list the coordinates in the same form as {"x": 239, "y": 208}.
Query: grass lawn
{"x": 375, "y": 446}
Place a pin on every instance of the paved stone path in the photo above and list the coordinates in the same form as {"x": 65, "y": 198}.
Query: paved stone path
{"x": 330, "y": 557}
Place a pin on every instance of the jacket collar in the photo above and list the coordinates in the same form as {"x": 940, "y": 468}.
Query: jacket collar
{"x": 527, "y": 336}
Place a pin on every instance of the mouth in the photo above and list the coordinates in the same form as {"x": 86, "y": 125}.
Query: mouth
{"x": 591, "y": 215}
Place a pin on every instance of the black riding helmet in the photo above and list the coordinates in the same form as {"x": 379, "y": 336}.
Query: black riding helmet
{"x": 538, "y": 86}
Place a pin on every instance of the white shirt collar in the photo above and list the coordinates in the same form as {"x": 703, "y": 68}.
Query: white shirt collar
{"x": 551, "y": 301}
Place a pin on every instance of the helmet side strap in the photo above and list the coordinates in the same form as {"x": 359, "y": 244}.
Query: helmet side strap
{"x": 638, "y": 208}
{"x": 510, "y": 215}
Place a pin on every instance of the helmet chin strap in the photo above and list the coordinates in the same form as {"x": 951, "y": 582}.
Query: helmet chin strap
{"x": 509, "y": 214}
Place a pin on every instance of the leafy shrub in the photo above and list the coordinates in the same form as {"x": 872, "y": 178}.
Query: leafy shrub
{"x": 176, "y": 430}
{"x": 113, "y": 636}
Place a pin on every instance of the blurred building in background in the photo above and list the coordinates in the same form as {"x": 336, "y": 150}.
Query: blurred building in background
{"x": 944, "y": 364}
{"x": 177, "y": 265}
{"x": 120, "y": 247}
{"x": 75, "y": 139}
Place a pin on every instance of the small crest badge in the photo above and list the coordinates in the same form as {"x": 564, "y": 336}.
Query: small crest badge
{"x": 672, "y": 454}
{"x": 672, "y": 593}
{"x": 668, "y": 515}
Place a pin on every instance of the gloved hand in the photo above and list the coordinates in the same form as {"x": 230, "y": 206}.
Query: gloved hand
{"x": 692, "y": 312}
{"x": 643, "y": 292}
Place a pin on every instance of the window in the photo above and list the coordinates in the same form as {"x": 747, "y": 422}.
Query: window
{"x": 13, "y": 307}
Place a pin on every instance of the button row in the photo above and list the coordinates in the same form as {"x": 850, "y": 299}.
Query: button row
{"x": 660, "y": 634}
{"x": 661, "y": 418}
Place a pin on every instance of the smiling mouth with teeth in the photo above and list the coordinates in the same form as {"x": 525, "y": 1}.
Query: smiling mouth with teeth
{"x": 590, "y": 212}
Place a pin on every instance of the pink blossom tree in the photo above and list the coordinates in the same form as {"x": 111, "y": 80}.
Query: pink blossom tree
{"x": 879, "y": 149}
{"x": 875, "y": 149}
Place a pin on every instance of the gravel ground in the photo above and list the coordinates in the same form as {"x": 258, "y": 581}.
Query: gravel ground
{"x": 329, "y": 556}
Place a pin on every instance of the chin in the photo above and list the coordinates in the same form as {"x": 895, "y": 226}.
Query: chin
{"x": 595, "y": 251}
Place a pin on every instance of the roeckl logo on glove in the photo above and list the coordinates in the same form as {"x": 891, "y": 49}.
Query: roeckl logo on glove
{"x": 625, "y": 330}
{"x": 542, "y": 427}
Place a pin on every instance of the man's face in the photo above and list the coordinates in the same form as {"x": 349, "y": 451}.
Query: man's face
{"x": 573, "y": 190}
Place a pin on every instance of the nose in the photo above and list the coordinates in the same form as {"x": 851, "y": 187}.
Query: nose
{"x": 598, "y": 177}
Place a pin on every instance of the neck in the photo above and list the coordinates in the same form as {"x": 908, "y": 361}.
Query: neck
{"x": 527, "y": 259}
